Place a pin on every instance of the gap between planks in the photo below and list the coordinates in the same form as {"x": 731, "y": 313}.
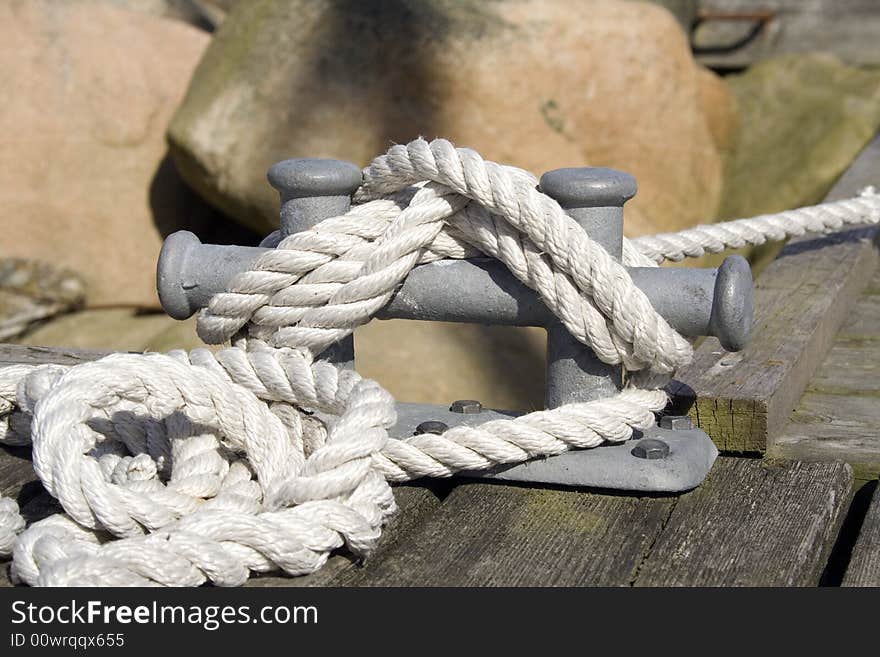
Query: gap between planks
{"x": 864, "y": 563}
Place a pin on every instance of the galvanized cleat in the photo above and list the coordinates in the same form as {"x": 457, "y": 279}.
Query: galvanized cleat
{"x": 695, "y": 302}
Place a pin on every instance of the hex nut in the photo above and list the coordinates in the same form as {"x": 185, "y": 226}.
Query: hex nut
{"x": 676, "y": 422}
{"x": 431, "y": 426}
{"x": 651, "y": 449}
{"x": 466, "y": 406}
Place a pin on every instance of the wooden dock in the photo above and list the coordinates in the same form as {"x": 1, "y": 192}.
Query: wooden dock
{"x": 792, "y": 502}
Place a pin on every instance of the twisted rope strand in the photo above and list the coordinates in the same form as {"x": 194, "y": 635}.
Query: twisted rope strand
{"x": 714, "y": 238}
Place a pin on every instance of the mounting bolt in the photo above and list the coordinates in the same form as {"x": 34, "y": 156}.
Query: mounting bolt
{"x": 431, "y": 426}
{"x": 466, "y": 406}
{"x": 651, "y": 449}
{"x": 676, "y": 422}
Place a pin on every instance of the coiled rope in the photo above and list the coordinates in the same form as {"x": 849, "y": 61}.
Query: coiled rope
{"x": 183, "y": 468}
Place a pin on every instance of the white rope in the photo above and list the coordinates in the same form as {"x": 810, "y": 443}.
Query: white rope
{"x": 190, "y": 467}
{"x": 714, "y": 238}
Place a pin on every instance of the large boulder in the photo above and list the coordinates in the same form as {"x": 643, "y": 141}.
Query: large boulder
{"x": 685, "y": 11}
{"x": 204, "y": 14}
{"x": 803, "y": 120}
{"x": 539, "y": 84}
{"x": 88, "y": 93}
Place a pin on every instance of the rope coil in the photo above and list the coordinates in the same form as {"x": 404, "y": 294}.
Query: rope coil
{"x": 182, "y": 468}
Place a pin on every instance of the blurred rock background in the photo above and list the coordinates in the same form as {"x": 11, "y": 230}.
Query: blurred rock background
{"x": 125, "y": 120}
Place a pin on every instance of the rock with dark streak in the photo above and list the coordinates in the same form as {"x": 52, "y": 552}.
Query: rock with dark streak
{"x": 538, "y": 84}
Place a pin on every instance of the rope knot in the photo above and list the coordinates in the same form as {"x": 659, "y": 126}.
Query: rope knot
{"x": 190, "y": 467}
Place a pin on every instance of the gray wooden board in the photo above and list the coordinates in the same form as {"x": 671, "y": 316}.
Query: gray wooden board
{"x": 865, "y": 318}
{"x": 27, "y": 355}
{"x": 743, "y": 400}
{"x": 498, "y": 535}
{"x": 824, "y": 427}
{"x": 16, "y": 471}
{"x": 851, "y": 367}
{"x": 864, "y": 563}
{"x": 752, "y": 523}
{"x": 838, "y": 417}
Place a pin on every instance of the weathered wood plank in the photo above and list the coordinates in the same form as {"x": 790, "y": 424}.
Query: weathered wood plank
{"x": 752, "y": 523}
{"x": 838, "y": 417}
{"x": 16, "y": 470}
{"x": 851, "y": 367}
{"x": 834, "y": 427}
{"x": 11, "y": 354}
{"x": 743, "y": 400}
{"x": 416, "y": 504}
{"x": 864, "y": 563}
{"x": 864, "y": 322}
{"x": 496, "y": 535}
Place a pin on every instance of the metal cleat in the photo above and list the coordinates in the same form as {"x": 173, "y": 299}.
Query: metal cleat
{"x": 695, "y": 302}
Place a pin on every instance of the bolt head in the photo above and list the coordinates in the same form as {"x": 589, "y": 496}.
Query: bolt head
{"x": 467, "y": 406}
{"x": 676, "y": 422}
{"x": 651, "y": 449}
{"x": 431, "y": 426}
